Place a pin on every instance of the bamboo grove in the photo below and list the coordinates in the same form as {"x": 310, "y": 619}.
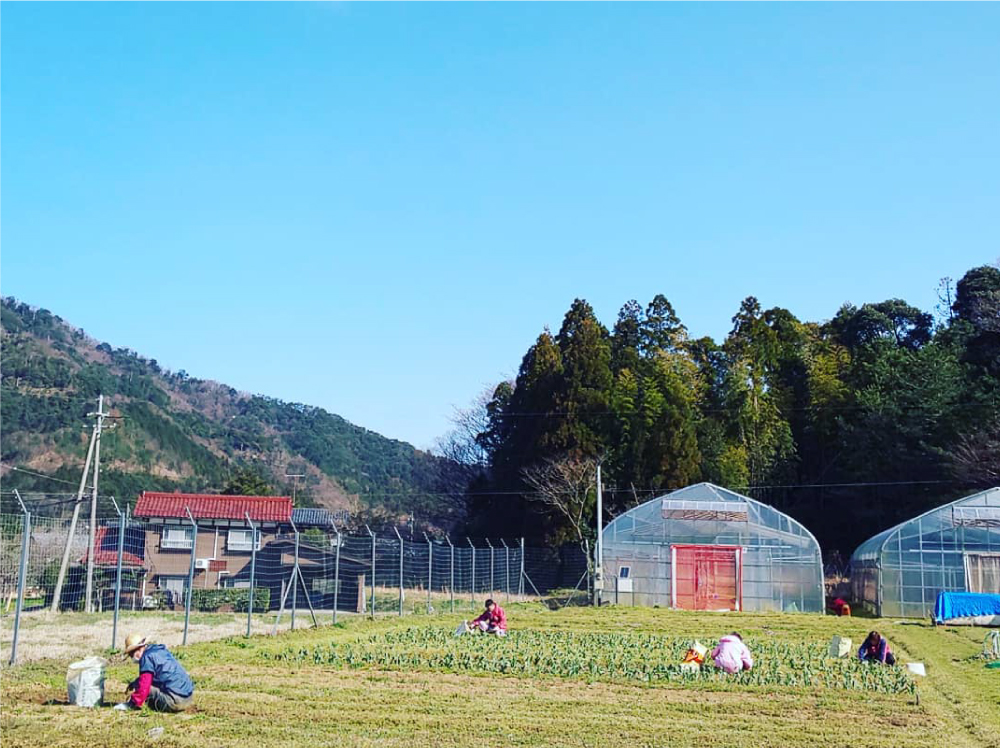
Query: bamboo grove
{"x": 849, "y": 425}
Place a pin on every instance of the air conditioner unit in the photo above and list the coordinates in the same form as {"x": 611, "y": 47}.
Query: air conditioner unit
{"x": 201, "y": 563}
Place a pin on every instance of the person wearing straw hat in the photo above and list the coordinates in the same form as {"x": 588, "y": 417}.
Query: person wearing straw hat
{"x": 163, "y": 682}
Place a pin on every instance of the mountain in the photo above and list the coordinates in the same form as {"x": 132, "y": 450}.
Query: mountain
{"x": 175, "y": 432}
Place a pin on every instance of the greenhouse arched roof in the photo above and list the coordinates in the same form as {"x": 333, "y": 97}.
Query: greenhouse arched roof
{"x": 701, "y": 501}
{"x": 871, "y": 548}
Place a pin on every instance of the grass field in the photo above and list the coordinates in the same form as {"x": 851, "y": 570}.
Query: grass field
{"x": 573, "y": 677}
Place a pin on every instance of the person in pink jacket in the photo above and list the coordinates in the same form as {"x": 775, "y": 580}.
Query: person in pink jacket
{"x": 493, "y": 620}
{"x": 732, "y": 654}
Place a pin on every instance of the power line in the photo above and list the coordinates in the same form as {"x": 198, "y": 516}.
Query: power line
{"x": 41, "y": 475}
{"x": 37, "y": 493}
{"x": 852, "y": 485}
{"x": 658, "y": 491}
{"x": 793, "y": 409}
{"x": 51, "y": 504}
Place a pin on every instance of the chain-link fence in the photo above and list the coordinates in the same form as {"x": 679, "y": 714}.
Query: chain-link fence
{"x": 279, "y": 575}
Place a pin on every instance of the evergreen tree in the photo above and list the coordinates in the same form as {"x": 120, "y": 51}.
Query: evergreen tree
{"x": 247, "y": 480}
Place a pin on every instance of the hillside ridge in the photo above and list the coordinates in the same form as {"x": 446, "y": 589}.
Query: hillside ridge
{"x": 173, "y": 431}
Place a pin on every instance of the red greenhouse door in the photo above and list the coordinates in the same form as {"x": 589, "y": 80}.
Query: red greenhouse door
{"x": 706, "y": 577}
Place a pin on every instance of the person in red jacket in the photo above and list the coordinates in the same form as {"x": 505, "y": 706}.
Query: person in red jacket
{"x": 493, "y": 620}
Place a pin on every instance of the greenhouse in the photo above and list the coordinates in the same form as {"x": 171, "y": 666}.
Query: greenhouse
{"x": 954, "y": 548}
{"x": 707, "y": 548}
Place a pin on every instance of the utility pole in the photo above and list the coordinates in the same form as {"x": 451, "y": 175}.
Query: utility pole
{"x": 599, "y": 546}
{"x": 295, "y": 483}
{"x": 57, "y": 593}
{"x": 100, "y": 414}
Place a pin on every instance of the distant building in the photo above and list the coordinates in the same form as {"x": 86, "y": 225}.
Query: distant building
{"x": 306, "y": 517}
{"x": 134, "y": 569}
{"x": 223, "y": 544}
{"x": 223, "y": 548}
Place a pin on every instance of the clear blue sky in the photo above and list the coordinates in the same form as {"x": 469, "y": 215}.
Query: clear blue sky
{"x": 376, "y": 208}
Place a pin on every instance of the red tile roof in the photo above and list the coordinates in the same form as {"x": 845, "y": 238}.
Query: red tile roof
{"x": 211, "y": 506}
{"x": 109, "y": 557}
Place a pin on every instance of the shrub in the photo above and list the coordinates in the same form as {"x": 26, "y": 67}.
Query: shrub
{"x": 237, "y": 597}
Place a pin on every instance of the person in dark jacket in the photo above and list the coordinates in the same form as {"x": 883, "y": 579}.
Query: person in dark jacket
{"x": 162, "y": 683}
{"x": 876, "y": 649}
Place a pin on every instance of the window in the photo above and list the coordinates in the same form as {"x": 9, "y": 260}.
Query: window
{"x": 241, "y": 540}
{"x": 624, "y": 572}
{"x": 176, "y": 585}
{"x": 326, "y": 586}
{"x": 982, "y": 572}
{"x": 178, "y": 538}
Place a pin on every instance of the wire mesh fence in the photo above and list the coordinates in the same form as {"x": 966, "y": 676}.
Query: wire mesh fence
{"x": 279, "y": 576}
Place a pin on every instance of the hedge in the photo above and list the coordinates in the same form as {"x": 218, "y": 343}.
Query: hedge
{"x": 212, "y": 600}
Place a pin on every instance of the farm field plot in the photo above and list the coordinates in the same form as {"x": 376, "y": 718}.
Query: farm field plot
{"x": 65, "y": 636}
{"x": 574, "y": 677}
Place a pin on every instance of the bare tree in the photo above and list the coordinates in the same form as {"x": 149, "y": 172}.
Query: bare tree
{"x": 976, "y": 458}
{"x": 567, "y": 484}
{"x": 460, "y": 443}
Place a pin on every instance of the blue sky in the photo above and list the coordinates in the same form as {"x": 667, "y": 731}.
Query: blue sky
{"x": 375, "y": 208}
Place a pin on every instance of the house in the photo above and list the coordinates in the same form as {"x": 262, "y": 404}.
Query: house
{"x": 224, "y": 539}
{"x": 306, "y": 517}
{"x": 106, "y": 568}
{"x": 106, "y": 548}
{"x": 320, "y": 567}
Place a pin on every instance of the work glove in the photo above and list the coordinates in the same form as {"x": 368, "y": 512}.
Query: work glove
{"x": 123, "y": 707}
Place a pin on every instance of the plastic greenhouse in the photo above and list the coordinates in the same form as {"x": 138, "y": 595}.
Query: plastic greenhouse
{"x": 707, "y": 548}
{"x": 954, "y": 548}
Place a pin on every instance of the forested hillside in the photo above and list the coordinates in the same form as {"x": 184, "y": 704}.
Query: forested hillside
{"x": 172, "y": 431}
{"x": 849, "y": 425}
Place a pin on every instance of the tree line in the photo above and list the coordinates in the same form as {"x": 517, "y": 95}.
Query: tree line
{"x": 849, "y": 425}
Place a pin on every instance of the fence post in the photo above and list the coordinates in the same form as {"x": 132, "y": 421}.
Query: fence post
{"x": 22, "y": 574}
{"x": 472, "y": 586}
{"x": 253, "y": 569}
{"x": 336, "y": 576}
{"x": 118, "y": 570}
{"x": 493, "y": 587}
{"x": 520, "y": 578}
{"x": 451, "y": 569}
{"x": 373, "y": 569}
{"x": 507, "y": 565}
{"x": 430, "y": 571}
{"x": 295, "y": 574}
{"x": 190, "y": 586}
{"x": 396, "y": 530}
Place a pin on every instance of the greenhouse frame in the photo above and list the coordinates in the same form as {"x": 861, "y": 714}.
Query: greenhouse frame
{"x": 953, "y": 548}
{"x": 708, "y": 548}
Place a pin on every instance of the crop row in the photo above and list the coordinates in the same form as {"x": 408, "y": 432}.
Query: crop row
{"x": 629, "y": 657}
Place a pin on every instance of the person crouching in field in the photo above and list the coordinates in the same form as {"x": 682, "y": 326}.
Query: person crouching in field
{"x": 876, "y": 649}
{"x": 162, "y": 683}
{"x": 492, "y": 621}
{"x": 732, "y": 654}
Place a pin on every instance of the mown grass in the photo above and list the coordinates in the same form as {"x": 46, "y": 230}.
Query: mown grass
{"x": 245, "y": 696}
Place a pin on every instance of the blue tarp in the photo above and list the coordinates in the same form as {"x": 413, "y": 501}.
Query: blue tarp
{"x": 965, "y": 604}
